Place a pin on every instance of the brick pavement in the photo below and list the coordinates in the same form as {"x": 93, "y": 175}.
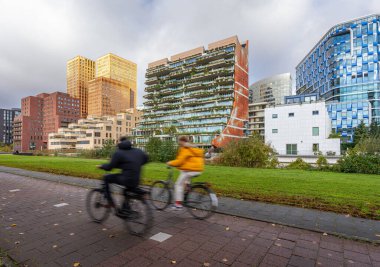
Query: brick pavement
{"x": 36, "y": 233}
{"x": 309, "y": 219}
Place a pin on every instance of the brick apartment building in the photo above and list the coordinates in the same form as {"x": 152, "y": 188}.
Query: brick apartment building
{"x": 40, "y": 115}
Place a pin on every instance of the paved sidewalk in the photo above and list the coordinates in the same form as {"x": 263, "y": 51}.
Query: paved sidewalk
{"x": 35, "y": 232}
{"x": 325, "y": 222}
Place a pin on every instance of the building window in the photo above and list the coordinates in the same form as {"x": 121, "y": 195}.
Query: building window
{"x": 97, "y": 134}
{"x": 315, "y": 131}
{"x": 291, "y": 114}
{"x": 108, "y": 128}
{"x": 274, "y": 130}
{"x": 291, "y": 149}
{"x": 315, "y": 147}
{"x": 274, "y": 116}
{"x": 315, "y": 112}
{"x": 84, "y": 142}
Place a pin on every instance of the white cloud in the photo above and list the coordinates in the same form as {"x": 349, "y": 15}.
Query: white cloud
{"x": 38, "y": 37}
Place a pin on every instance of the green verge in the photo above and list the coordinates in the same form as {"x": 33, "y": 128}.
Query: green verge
{"x": 354, "y": 194}
{"x": 5, "y": 261}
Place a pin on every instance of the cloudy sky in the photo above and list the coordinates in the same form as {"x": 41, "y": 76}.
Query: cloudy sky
{"x": 38, "y": 37}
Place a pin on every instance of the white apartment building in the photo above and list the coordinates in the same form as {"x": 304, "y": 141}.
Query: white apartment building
{"x": 300, "y": 129}
{"x": 93, "y": 132}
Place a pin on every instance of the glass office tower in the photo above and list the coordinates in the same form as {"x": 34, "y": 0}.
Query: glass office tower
{"x": 343, "y": 67}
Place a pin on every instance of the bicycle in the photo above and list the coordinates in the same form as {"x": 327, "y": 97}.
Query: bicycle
{"x": 199, "y": 199}
{"x": 139, "y": 218}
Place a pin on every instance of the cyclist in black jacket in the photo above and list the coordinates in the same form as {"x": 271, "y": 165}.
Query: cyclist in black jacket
{"x": 129, "y": 160}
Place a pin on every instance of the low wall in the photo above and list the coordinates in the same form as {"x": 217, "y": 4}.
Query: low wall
{"x": 286, "y": 159}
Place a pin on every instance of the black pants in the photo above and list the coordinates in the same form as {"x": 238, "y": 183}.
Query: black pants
{"x": 116, "y": 179}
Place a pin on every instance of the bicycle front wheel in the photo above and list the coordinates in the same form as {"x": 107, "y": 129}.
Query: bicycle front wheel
{"x": 96, "y": 205}
{"x": 160, "y": 195}
{"x": 140, "y": 219}
{"x": 200, "y": 202}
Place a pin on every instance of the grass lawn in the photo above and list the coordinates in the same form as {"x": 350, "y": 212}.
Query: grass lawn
{"x": 354, "y": 194}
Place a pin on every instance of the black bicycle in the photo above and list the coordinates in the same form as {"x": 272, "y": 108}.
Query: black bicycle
{"x": 199, "y": 199}
{"x": 139, "y": 217}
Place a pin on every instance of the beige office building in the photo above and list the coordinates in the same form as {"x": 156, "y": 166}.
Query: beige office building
{"x": 119, "y": 69}
{"x": 79, "y": 71}
{"x": 93, "y": 132}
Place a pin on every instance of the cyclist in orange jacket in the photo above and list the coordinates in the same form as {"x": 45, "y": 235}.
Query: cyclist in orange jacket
{"x": 190, "y": 161}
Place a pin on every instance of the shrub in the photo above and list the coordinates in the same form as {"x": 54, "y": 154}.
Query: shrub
{"x": 6, "y": 148}
{"x": 273, "y": 163}
{"x": 322, "y": 163}
{"x": 299, "y": 164}
{"x": 355, "y": 162}
{"x": 108, "y": 149}
{"x": 370, "y": 145}
{"x": 160, "y": 151}
{"x": 168, "y": 150}
{"x": 250, "y": 152}
{"x": 101, "y": 153}
{"x": 90, "y": 153}
{"x": 153, "y": 148}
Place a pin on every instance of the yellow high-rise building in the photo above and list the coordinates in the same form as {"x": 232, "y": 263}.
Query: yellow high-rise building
{"x": 107, "y": 97}
{"x": 119, "y": 69}
{"x": 79, "y": 71}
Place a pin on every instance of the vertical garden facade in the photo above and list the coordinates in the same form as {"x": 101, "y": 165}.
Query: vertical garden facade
{"x": 200, "y": 93}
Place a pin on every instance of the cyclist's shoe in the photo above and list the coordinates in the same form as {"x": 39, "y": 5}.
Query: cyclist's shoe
{"x": 177, "y": 207}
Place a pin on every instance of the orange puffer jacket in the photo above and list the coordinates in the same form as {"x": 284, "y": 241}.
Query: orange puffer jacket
{"x": 189, "y": 159}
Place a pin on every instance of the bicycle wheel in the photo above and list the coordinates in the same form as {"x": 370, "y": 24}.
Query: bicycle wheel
{"x": 200, "y": 201}
{"x": 160, "y": 195}
{"x": 95, "y": 204}
{"x": 140, "y": 218}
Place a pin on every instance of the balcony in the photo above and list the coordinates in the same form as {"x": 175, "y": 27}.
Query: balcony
{"x": 150, "y": 96}
{"x": 150, "y": 103}
{"x": 212, "y": 73}
{"x": 214, "y": 55}
{"x": 179, "y": 73}
{"x": 151, "y": 81}
{"x": 221, "y": 62}
{"x": 152, "y": 88}
{"x": 169, "y": 91}
{"x": 224, "y": 80}
{"x": 157, "y": 71}
{"x": 194, "y": 86}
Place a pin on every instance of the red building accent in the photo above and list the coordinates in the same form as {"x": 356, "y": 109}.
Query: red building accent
{"x": 40, "y": 115}
{"x": 236, "y": 125}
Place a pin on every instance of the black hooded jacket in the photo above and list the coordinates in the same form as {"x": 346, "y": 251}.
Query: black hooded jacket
{"x": 130, "y": 161}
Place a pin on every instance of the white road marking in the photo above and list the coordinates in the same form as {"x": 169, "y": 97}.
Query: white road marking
{"x": 60, "y": 205}
{"x": 160, "y": 237}
{"x": 14, "y": 190}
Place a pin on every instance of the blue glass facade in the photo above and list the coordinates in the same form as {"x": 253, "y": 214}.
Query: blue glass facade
{"x": 346, "y": 116}
{"x": 343, "y": 67}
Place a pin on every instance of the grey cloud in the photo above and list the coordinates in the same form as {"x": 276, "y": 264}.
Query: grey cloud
{"x": 38, "y": 37}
